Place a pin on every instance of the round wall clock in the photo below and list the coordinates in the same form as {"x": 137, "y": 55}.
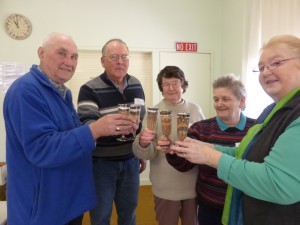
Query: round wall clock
{"x": 18, "y": 26}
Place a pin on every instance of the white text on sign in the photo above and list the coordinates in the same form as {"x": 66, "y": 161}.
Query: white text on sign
{"x": 186, "y": 47}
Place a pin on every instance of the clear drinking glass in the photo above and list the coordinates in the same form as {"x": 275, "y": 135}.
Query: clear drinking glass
{"x": 134, "y": 113}
{"x": 152, "y": 118}
{"x": 166, "y": 124}
{"x": 182, "y": 125}
{"x": 124, "y": 110}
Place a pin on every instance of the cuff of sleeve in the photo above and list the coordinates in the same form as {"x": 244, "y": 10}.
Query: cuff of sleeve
{"x": 224, "y": 166}
{"x": 141, "y": 147}
{"x": 140, "y": 152}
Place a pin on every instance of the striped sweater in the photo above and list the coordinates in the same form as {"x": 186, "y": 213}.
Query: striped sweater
{"x": 99, "y": 97}
{"x": 210, "y": 189}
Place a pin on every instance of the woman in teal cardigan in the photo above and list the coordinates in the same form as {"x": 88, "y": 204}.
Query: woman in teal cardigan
{"x": 263, "y": 173}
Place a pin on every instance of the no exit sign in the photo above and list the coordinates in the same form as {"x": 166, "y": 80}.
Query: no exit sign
{"x": 186, "y": 47}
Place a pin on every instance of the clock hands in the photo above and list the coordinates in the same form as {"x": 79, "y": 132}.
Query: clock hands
{"x": 16, "y": 21}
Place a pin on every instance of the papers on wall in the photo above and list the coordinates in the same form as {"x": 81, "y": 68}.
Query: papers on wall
{"x": 9, "y": 72}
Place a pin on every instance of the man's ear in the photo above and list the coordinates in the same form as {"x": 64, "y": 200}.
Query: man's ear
{"x": 102, "y": 61}
{"x": 40, "y": 52}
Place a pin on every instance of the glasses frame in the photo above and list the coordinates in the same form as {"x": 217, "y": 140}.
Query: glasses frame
{"x": 175, "y": 84}
{"x": 272, "y": 65}
{"x": 115, "y": 57}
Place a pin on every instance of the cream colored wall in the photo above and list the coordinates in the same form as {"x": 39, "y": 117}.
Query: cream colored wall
{"x": 142, "y": 24}
{"x": 233, "y": 36}
{"x": 216, "y": 25}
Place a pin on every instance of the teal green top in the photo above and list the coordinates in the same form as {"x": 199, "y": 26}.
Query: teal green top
{"x": 265, "y": 181}
{"x": 241, "y": 125}
{"x": 281, "y": 167}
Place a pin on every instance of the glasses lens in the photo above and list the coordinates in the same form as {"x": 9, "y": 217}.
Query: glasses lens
{"x": 275, "y": 64}
{"x": 125, "y": 57}
{"x": 174, "y": 85}
{"x": 115, "y": 57}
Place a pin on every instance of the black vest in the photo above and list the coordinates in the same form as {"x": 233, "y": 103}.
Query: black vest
{"x": 258, "y": 212}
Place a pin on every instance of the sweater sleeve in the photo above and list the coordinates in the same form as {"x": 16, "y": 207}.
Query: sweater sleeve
{"x": 226, "y": 149}
{"x": 143, "y": 153}
{"x": 196, "y": 113}
{"x": 88, "y": 110}
{"x": 276, "y": 179}
{"x": 179, "y": 163}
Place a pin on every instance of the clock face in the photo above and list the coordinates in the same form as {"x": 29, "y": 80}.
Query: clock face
{"x": 18, "y": 26}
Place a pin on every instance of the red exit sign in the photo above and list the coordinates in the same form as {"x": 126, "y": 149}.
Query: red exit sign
{"x": 186, "y": 47}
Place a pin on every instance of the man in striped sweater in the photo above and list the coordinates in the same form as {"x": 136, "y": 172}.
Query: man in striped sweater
{"x": 116, "y": 169}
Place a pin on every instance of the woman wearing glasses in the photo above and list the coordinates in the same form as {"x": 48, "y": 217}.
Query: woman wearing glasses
{"x": 174, "y": 192}
{"x": 263, "y": 173}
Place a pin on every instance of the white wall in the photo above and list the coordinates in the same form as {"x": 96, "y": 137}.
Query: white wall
{"x": 142, "y": 24}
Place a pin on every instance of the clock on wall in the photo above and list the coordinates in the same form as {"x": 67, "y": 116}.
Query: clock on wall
{"x": 18, "y": 26}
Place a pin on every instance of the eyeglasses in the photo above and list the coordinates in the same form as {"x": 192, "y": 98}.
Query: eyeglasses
{"x": 166, "y": 86}
{"x": 272, "y": 65}
{"x": 116, "y": 57}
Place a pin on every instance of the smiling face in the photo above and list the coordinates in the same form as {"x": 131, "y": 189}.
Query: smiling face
{"x": 58, "y": 58}
{"x": 115, "y": 69}
{"x": 172, "y": 90}
{"x": 278, "y": 82}
{"x": 227, "y": 105}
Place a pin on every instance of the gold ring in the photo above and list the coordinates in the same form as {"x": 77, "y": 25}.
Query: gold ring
{"x": 118, "y": 129}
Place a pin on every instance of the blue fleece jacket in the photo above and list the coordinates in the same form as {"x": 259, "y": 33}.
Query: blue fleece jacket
{"x": 48, "y": 154}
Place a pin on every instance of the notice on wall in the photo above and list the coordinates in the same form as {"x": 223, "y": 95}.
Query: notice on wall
{"x": 9, "y": 72}
{"x": 186, "y": 47}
